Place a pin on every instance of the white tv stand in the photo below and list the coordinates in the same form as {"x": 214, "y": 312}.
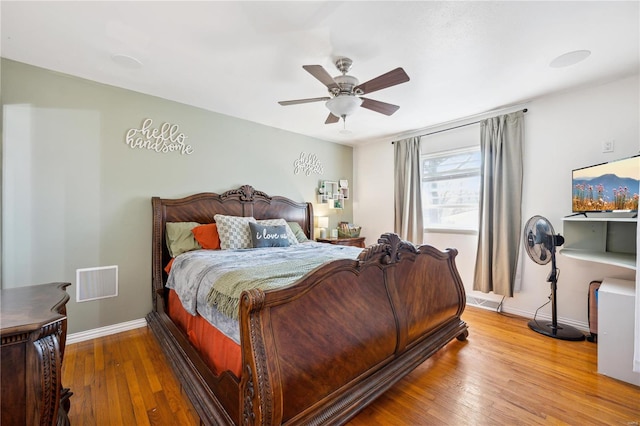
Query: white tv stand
{"x": 601, "y": 237}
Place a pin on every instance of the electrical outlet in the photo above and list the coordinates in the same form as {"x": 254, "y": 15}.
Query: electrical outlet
{"x": 607, "y": 146}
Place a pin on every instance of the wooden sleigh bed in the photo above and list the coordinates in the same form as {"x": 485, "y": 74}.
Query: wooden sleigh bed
{"x": 317, "y": 351}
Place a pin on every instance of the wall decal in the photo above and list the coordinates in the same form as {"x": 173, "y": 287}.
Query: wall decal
{"x": 163, "y": 139}
{"x": 307, "y": 164}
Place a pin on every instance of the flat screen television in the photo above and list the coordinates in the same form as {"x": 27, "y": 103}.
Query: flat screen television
{"x": 605, "y": 187}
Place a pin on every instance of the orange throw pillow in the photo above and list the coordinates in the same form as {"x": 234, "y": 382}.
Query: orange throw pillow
{"x": 207, "y": 236}
{"x": 167, "y": 268}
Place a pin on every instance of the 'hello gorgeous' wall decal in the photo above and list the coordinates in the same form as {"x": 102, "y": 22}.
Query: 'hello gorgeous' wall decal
{"x": 307, "y": 164}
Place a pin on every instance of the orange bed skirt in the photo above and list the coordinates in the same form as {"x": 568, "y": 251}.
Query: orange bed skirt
{"x": 217, "y": 350}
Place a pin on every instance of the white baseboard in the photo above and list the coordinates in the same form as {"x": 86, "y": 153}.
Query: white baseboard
{"x": 105, "y": 331}
{"x": 583, "y": 326}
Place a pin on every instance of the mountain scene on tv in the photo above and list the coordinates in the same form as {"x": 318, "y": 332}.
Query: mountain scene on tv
{"x": 605, "y": 193}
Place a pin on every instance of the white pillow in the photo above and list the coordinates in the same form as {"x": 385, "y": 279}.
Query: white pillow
{"x": 291, "y": 236}
{"x": 234, "y": 231}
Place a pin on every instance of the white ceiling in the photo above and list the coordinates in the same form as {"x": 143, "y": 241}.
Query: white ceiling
{"x": 241, "y": 58}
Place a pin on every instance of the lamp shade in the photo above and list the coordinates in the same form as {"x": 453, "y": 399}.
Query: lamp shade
{"x": 323, "y": 222}
{"x": 344, "y": 105}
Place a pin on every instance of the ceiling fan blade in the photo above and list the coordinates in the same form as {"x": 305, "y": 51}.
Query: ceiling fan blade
{"x": 377, "y": 106}
{"x": 322, "y": 75}
{"x": 304, "y": 101}
{"x": 389, "y": 79}
{"x": 332, "y": 119}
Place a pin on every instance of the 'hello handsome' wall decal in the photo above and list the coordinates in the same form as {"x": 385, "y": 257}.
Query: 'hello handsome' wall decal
{"x": 164, "y": 139}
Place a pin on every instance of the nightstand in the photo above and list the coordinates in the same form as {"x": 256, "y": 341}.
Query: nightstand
{"x": 355, "y": 242}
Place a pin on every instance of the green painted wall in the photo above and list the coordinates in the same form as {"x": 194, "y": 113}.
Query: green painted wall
{"x": 75, "y": 195}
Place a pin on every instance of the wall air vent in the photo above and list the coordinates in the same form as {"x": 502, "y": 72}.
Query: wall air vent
{"x": 96, "y": 283}
{"x": 479, "y": 302}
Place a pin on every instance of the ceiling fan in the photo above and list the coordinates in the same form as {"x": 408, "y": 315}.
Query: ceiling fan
{"x": 346, "y": 91}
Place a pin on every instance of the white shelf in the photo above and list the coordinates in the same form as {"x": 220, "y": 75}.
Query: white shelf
{"x": 602, "y": 238}
{"x": 623, "y": 260}
{"x": 599, "y": 219}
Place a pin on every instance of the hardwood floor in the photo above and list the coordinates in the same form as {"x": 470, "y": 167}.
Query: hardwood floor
{"x": 124, "y": 379}
{"x": 504, "y": 374}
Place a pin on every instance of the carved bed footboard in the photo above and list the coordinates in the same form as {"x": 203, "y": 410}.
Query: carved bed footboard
{"x": 318, "y": 352}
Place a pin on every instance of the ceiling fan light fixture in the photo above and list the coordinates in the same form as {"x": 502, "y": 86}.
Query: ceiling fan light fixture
{"x": 345, "y": 91}
{"x": 343, "y": 105}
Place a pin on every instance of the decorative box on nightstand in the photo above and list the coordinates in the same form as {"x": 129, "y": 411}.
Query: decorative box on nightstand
{"x": 355, "y": 242}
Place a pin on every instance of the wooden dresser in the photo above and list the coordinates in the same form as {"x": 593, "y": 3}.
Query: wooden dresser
{"x": 33, "y": 325}
{"x": 355, "y": 242}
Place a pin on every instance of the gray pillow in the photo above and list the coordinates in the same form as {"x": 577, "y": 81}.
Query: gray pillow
{"x": 298, "y": 232}
{"x": 268, "y": 235}
{"x": 292, "y": 237}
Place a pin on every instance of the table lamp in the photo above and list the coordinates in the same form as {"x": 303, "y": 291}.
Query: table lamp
{"x": 323, "y": 224}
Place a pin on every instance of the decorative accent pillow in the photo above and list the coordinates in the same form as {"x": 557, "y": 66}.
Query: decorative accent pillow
{"x": 280, "y": 222}
{"x": 234, "y": 231}
{"x": 207, "y": 236}
{"x": 268, "y": 235}
{"x": 298, "y": 232}
{"x": 179, "y": 237}
{"x": 167, "y": 268}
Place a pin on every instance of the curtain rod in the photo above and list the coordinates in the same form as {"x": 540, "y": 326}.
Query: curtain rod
{"x": 452, "y": 128}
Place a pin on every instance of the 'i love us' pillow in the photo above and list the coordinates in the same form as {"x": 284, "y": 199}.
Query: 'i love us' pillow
{"x": 268, "y": 235}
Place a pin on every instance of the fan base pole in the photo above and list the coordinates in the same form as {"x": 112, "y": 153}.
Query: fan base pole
{"x": 560, "y": 331}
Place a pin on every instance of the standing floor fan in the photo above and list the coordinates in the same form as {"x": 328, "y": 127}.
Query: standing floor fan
{"x": 540, "y": 241}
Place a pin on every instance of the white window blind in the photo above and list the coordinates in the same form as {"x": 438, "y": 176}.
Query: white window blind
{"x": 451, "y": 190}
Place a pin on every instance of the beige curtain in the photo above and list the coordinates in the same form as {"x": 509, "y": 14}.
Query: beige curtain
{"x": 408, "y": 190}
{"x": 501, "y": 145}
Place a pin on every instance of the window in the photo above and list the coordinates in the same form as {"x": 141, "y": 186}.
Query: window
{"x": 451, "y": 190}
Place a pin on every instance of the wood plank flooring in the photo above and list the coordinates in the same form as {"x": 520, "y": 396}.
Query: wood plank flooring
{"x": 124, "y": 379}
{"x": 504, "y": 374}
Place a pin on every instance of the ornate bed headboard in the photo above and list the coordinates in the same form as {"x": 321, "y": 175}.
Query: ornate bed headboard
{"x": 201, "y": 208}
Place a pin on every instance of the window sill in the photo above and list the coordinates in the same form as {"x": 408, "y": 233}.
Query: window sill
{"x": 450, "y": 231}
